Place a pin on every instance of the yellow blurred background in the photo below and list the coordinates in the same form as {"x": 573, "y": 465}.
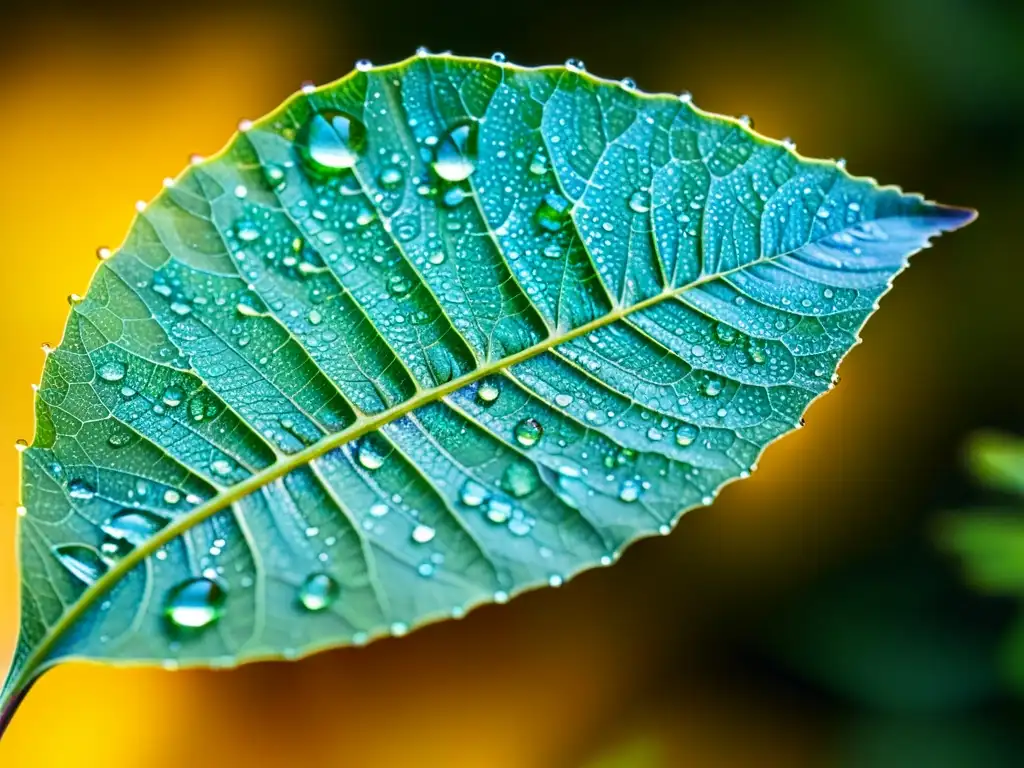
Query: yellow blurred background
{"x": 663, "y": 659}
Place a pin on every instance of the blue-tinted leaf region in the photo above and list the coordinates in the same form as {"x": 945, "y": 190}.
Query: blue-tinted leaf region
{"x": 422, "y": 339}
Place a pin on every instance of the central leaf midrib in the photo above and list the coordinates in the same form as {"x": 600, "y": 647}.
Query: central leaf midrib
{"x": 357, "y": 429}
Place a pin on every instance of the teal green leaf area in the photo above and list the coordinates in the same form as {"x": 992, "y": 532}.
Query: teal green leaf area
{"x": 424, "y": 338}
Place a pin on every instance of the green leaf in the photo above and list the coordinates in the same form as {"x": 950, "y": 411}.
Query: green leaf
{"x": 422, "y": 339}
{"x": 997, "y": 460}
{"x": 991, "y": 545}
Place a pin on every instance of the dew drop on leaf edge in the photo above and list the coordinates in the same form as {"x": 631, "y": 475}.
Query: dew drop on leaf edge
{"x": 331, "y": 141}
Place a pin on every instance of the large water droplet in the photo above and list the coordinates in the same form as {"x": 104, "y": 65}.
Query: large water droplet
{"x": 84, "y": 563}
{"x": 686, "y": 434}
{"x": 331, "y": 141}
{"x": 528, "y": 432}
{"x": 519, "y": 479}
{"x": 318, "y": 591}
{"x": 456, "y": 154}
{"x": 133, "y": 526}
{"x": 422, "y": 534}
{"x": 113, "y": 370}
{"x": 80, "y": 489}
{"x": 472, "y": 494}
{"x": 553, "y": 212}
{"x": 488, "y": 392}
{"x": 368, "y": 456}
{"x": 195, "y": 603}
{"x": 173, "y": 396}
{"x": 640, "y": 201}
{"x": 629, "y": 491}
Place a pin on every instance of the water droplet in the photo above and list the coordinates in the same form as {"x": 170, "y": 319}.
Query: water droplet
{"x": 399, "y": 285}
{"x": 539, "y": 163}
{"x": 195, "y": 603}
{"x": 640, "y": 201}
{"x": 368, "y": 456}
{"x": 629, "y": 491}
{"x": 247, "y": 310}
{"x": 314, "y": 317}
{"x": 173, "y": 396}
{"x": 498, "y": 57}
{"x": 221, "y": 467}
{"x": 20, "y": 444}
{"x": 725, "y": 333}
{"x": 499, "y": 511}
{"x": 575, "y": 65}
{"x": 391, "y": 177}
{"x": 456, "y": 154}
{"x": 454, "y": 197}
{"x": 379, "y": 510}
{"x": 422, "y": 534}
{"x": 84, "y": 563}
{"x": 133, "y": 526}
{"x": 528, "y": 432}
{"x": 318, "y": 591}
{"x": 488, "y": 391}
{"x": 103, "y": 253}
{"x": 712, "y": 387}
{"x": 80, "y": 489}
{"x": 553, "y": 212}
{"x": 519, "y": 479}
{"x": 686, "y": 434}
{"x": 562, "y": 400}
{"x": 331, "y": 141}
{"x": 113, "y": 370}
{"x": 364, "y": 65}
{"x": 247, "y": 232}
{"x": 472, "y": 494}
{"x": 628, "y": 83}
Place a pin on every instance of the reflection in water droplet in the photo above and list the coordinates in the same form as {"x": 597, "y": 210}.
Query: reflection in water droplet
{"x": 528, "y": 432}
{"x": 519, "y": 479}
{"x": 112, "y": 370}
{"x": 391, "y": 177}
{"x": 472, "y": 494}
{"x": 84, "y": 563}
{"x": 368, "y": 456}
{"x": 456, "y": 154}
{"x": 454, "y": 197}
{"x": 725, "y": 333}
{"x": 553, "y": 212}
{"x": 640, "y": 201}
{"x": 221, "y": 467}
{"x": 712, "y": 387}
{"x": 331, "y": 141}
{"x": 195, "y": 603}
{"x": 173, "y": 396}
{"x": 318, "y": 591}
{"x": 488, "y": 391}
{"x": 499, "y": 511}
{"x": 133, "y": 526}
{"x": 399, "y": 285}
{"x": 629, "y": 491}
{"x": 686, "y": 434}
{"x": 80, "y": 489}
{"x": 422, "y": 534}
